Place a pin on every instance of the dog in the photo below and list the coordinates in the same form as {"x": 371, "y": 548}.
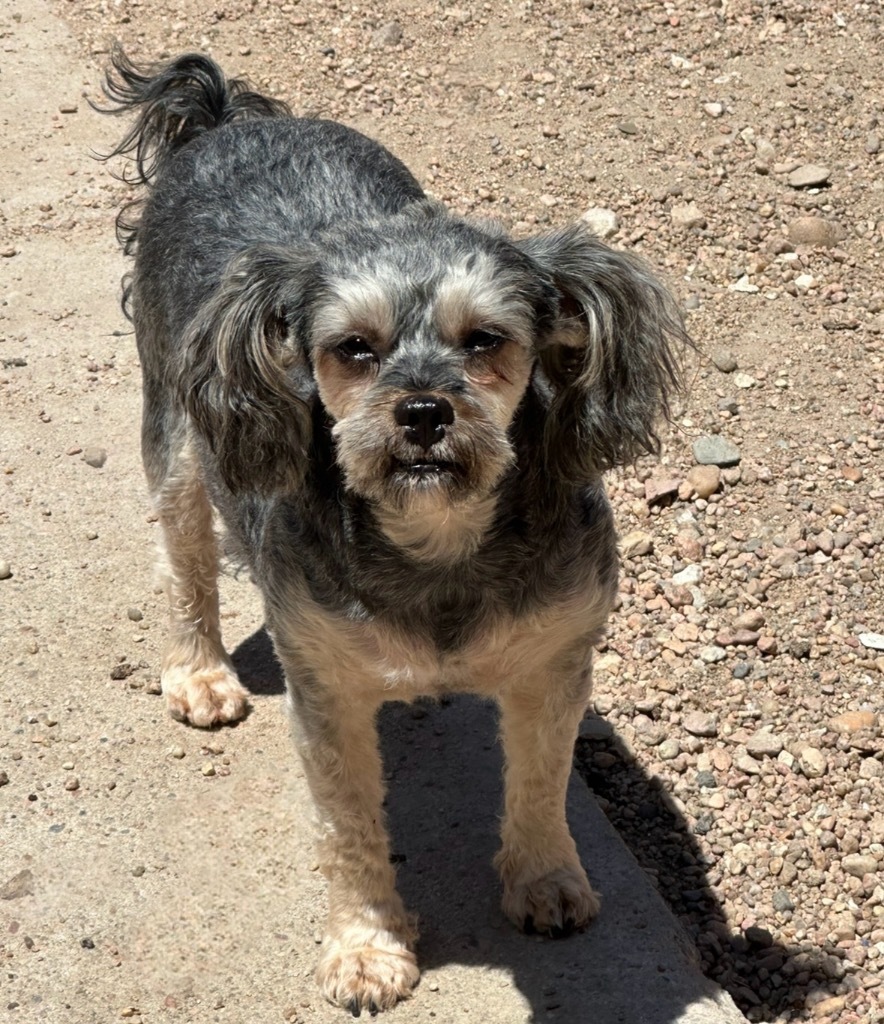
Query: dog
{"x": 402, "y": 418}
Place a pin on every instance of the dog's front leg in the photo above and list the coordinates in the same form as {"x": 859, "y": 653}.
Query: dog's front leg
{"x": 367, "y": 959}
{"x": 545, "y": 886}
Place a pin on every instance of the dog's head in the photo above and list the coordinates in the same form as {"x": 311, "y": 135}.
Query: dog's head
{"x": 420, "y": 337}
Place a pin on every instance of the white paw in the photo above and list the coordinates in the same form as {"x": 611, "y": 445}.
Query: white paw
{"x": 204, "y": 698}
{"x": 366, "y": 977}
{"x": 555, "y": 903}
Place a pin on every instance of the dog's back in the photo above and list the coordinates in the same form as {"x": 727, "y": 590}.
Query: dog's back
{"x": 226, "y": 168}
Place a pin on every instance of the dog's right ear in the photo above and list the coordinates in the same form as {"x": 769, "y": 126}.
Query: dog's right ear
{"x": 246, "y": 385}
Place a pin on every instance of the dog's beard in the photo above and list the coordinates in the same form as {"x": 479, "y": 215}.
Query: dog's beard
{"x": 435, "y": 504}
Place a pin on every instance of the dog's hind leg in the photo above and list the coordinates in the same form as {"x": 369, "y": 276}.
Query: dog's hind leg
{"x": 198, "y": 678}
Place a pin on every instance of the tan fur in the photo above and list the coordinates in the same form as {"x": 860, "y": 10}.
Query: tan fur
{"x": 470, "y": 296}
{"x": 342, "y": 386}
{"x": 341, "y": 671}
{"x": 357, "y": 305}
{"x": 364, "y": 658}
{"x": 434, "y": 529}
{"x": 538, "y": 862}
{"x": 198, "y": 679}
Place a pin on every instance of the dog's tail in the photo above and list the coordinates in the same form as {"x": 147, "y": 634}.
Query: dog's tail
{"x": 176, "y": 102}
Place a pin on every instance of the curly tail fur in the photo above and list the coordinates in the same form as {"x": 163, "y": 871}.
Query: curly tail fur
{"x": 176, "y": 102}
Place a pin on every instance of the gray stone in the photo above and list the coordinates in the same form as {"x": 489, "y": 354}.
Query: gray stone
{"x": 595, "y": 729}
{"x": 809, "y": 176}
{"x": 95, "y": 457}
{"x": 782, "y": 901}
{"x": 875, "y": 641}
{"x": 712, "y": 654}
{"x": 715, "y": 450}
{"x": 669, "y": 749}
{"x": 859, "y": 864}
{"x": 764, "y": 151}
{"x": 764, "y": 744}
{"x": 21, "y": 884}
{"x": 388, "y": 34}
{"x": 723, "y": 359}
{"x": 816, "y": 231}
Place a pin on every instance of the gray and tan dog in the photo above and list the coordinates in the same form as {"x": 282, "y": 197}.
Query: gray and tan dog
{"x": 402, "y": 418}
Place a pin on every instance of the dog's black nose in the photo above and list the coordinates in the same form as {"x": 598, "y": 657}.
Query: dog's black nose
{"x": 424, "y": 418}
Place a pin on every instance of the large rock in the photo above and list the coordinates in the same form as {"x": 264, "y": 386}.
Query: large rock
{"x": 715, "y": 450}
{"x": 809, "y": 176}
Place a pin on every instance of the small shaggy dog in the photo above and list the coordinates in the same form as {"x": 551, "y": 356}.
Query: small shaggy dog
{"x": 402, "y": 418}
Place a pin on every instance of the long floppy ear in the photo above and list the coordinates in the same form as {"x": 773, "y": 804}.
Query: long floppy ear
{"x": 247, "y": 386}
{"x": 609, "y": 356}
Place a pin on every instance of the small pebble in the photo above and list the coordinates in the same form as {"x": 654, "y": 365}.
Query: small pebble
{"x": 601, "y": 221}
{"x": 724, "y": 360}
{"x": 701, "y": 723}
{"x": 764, "y": 744}
{"x": 95, "y": 457}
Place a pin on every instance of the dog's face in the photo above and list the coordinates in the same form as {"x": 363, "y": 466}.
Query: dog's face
{"x": 421, "y": 364}
{"x": 420, "y": 337}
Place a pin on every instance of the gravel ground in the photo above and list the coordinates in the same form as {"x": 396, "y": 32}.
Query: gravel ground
{"x": 737, "y": 146}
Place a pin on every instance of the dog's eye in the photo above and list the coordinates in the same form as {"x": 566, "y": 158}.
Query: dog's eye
{"x": 356, "y": 349}
{"x": 481, "y": 342}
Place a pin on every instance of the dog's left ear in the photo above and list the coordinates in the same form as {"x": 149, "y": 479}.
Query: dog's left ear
{"x": 608, "y": 353}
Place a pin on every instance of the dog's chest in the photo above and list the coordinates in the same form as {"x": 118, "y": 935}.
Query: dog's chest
{"x": 376, "y": 655}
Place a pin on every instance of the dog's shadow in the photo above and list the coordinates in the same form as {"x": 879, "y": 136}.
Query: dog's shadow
{"x": 443, "y": 767}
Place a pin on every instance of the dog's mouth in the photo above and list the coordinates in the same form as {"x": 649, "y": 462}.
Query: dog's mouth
{"x": 425, "y": 468}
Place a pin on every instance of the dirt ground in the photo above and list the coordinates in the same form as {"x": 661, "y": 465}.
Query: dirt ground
{"x": 738, "y": 146}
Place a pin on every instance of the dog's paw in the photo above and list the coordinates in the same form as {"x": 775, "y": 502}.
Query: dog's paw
{"x": 555, "y": 903}
{"x": 368, "y": 978}
{"x": 204, "y": 698}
